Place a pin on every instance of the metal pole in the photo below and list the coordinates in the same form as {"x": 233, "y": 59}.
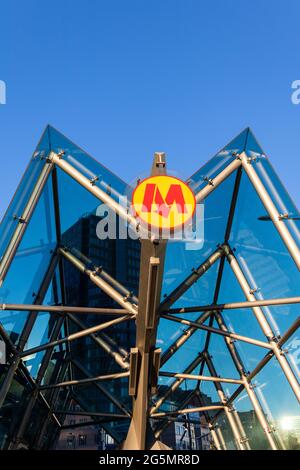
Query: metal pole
{"x": 234, "y": 305}
{"x": 293, "y": 328}
{"x": 211, "y": 427}
{"x": 188, "y": 410}
{"x": 221, "y": 437}
{"x": 200, "y": 377}
{"x": 140, "y": 435}
{"x": 270, "y": 207}
{"x": 85, "y": 381}
{"x": 107, "y": 277}
{"x": 228, "y": 334}
{"x": 119, "y": 356}
{"x": 214, "y": 182}
{"x": 63, "y": 309}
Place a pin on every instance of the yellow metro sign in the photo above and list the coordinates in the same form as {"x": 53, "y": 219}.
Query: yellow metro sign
{"x": 163, "y": 202}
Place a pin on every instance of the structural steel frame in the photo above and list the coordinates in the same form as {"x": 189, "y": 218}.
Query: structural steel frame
{"x": 144, "y": 362}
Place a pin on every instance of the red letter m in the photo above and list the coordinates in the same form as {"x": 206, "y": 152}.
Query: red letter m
{"x": 174, "y": 195}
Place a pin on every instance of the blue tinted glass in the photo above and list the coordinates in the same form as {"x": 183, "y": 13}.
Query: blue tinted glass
{"x": 30, "y": 264}
{"x": 88, "y": 166}
{"x": 22, "y": 194}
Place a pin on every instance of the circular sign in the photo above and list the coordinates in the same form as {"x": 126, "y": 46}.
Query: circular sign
{"x": 163, "y": 202}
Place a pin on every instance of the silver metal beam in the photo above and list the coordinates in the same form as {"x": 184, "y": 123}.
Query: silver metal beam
{"x": 188, "y": 410}
{"x": 217, "y": 180}
{"x": 235, "y": 336}
{"x": 113, "y": 416}
{"x": 102, "y": 389}
{"x": 235, "y": 305}
{"x": 63, "y": 309}
{"x": 119, "y": 356}
{"x": 205, "y": 378}
{"x": 98, "y": 378}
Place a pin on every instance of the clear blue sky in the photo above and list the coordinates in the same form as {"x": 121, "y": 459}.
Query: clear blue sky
{"x": 125, "y": 78}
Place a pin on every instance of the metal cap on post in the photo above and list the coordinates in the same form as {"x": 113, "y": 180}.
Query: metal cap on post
{"x": 159, "y": 162}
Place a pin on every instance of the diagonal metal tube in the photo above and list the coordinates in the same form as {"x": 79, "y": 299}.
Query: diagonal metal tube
{"x": 119, "y": 356}
{"x": 217, "y": 180}
{"x": 97, "y": 378}
{"x": 95, "y": 190}
{"x": 235, "y": 305}
{"x": 62, "y": 309}
{"x": 176, "y": 384}
{"x": 98, "y": 281}
{"x": 205, "y": 378}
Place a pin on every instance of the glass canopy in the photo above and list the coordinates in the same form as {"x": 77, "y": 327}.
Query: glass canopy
{"x": 197, "y": 351}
